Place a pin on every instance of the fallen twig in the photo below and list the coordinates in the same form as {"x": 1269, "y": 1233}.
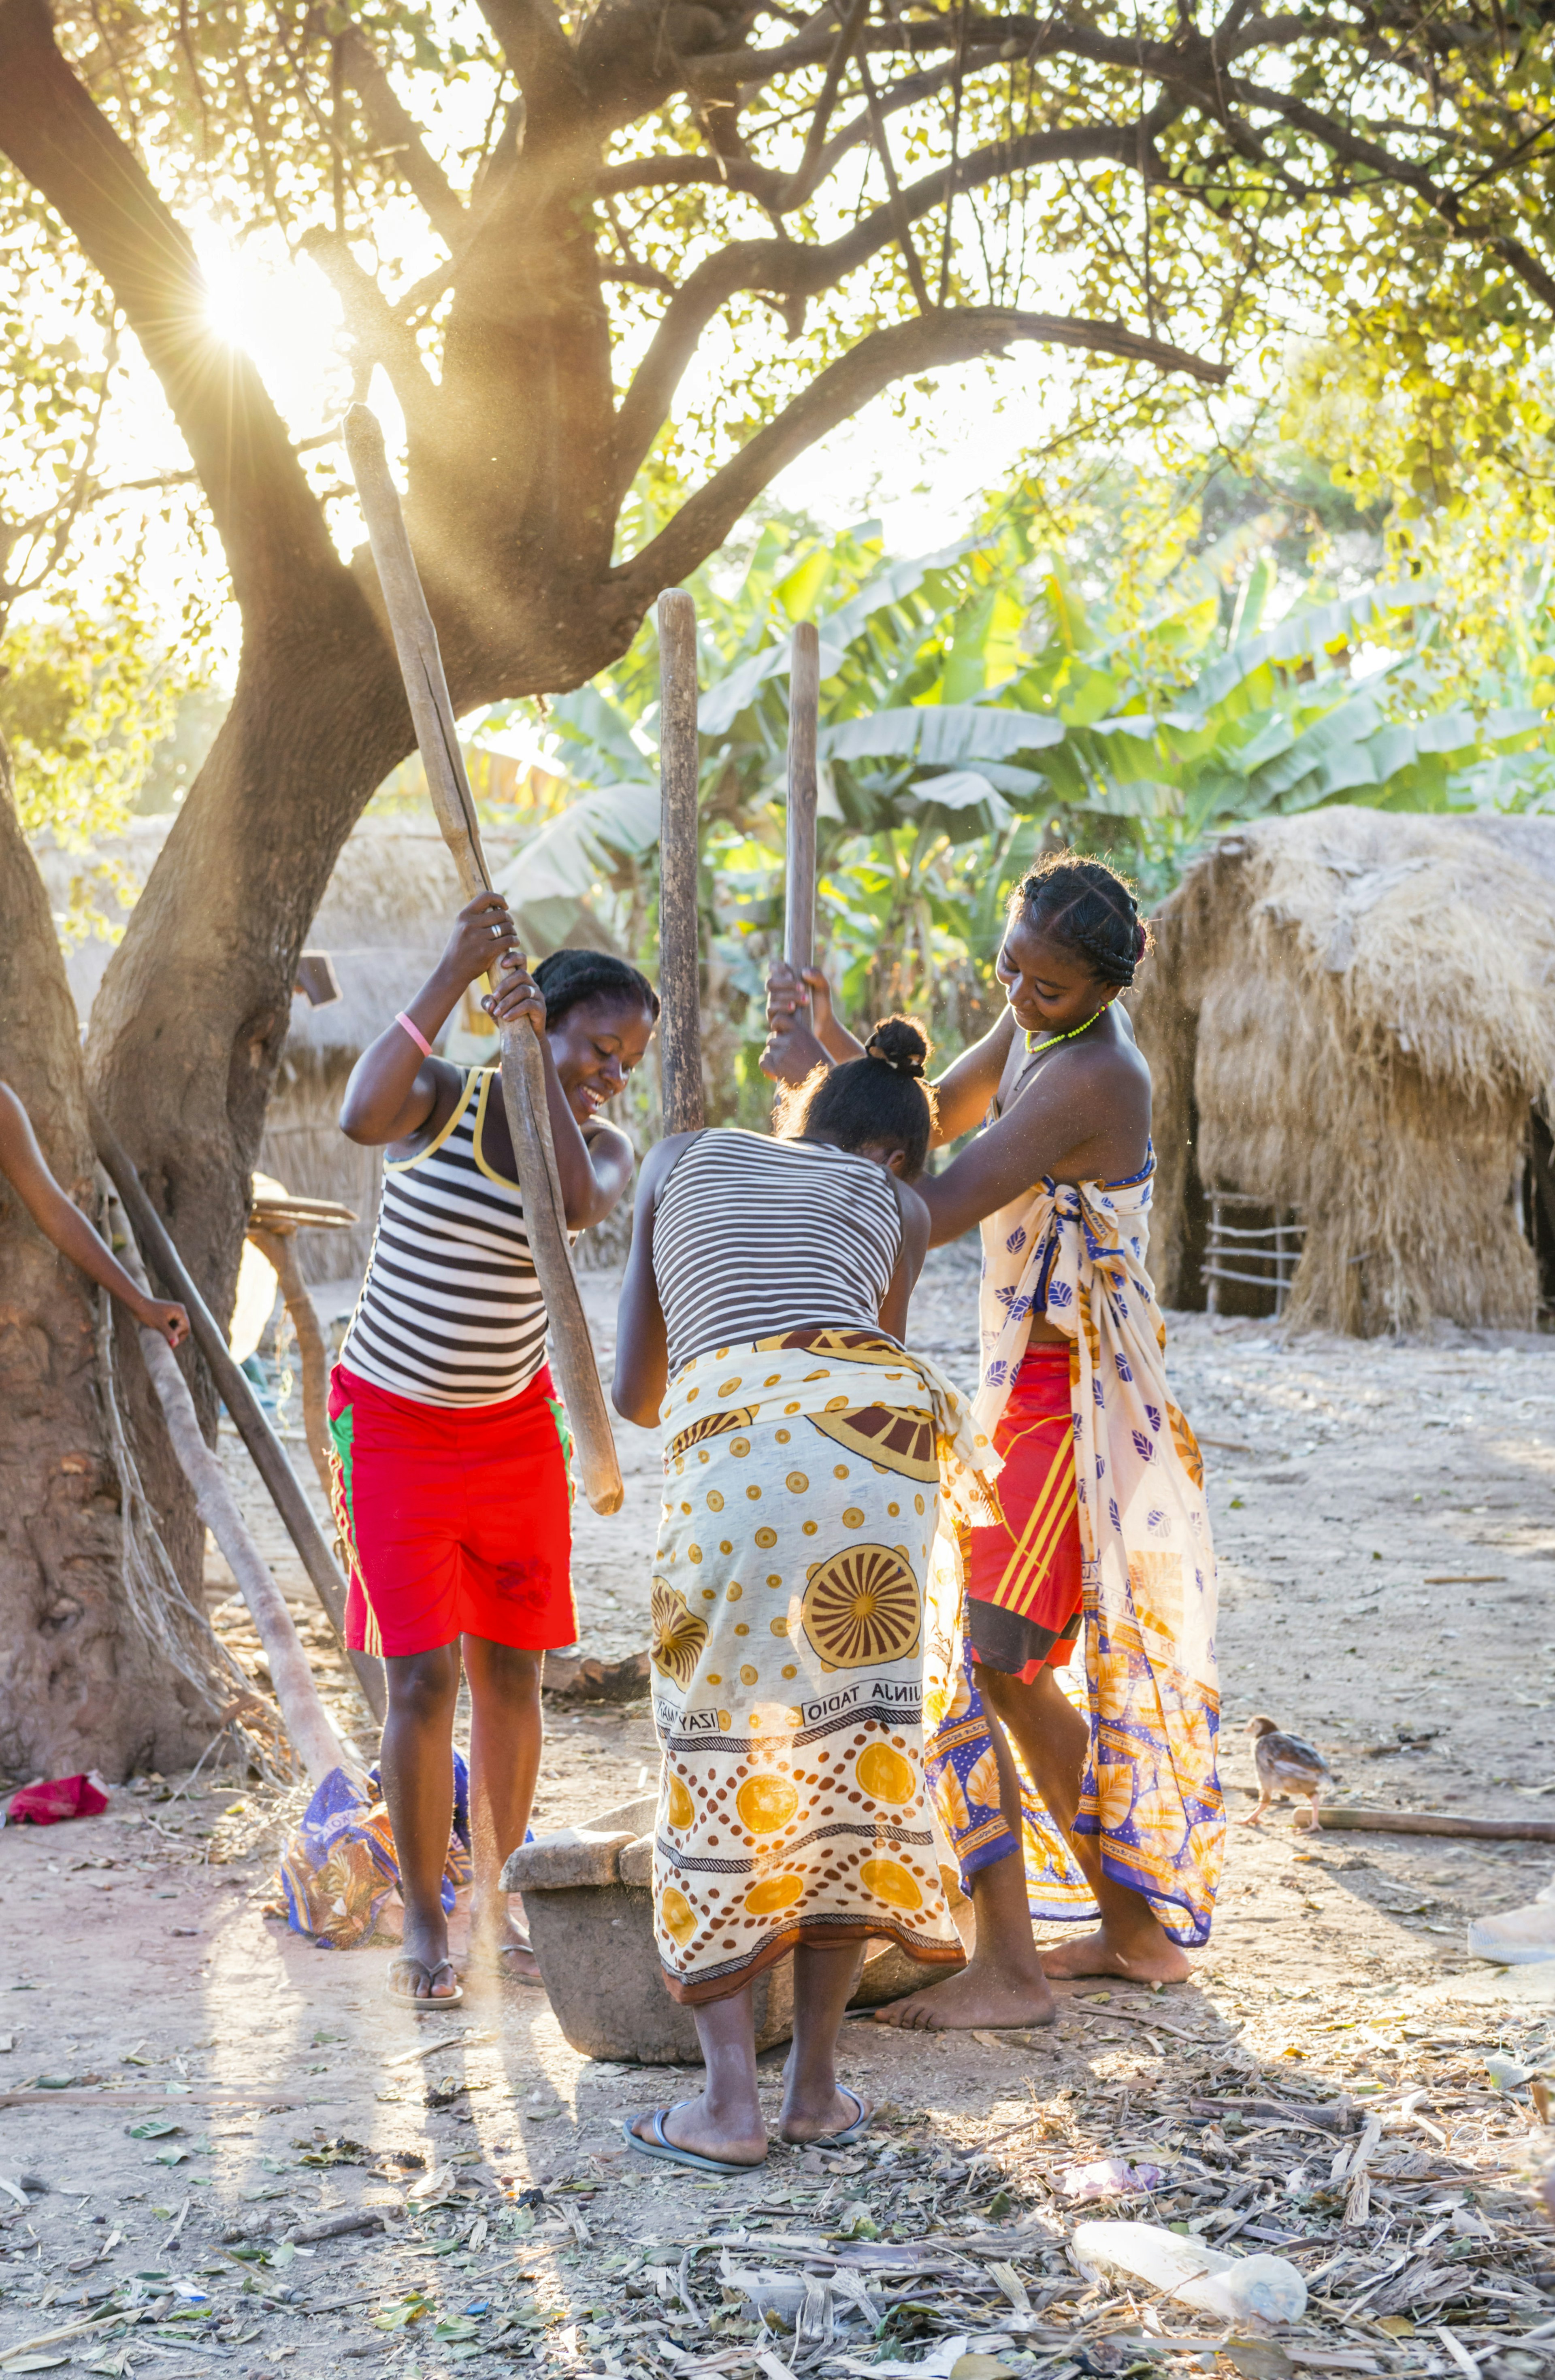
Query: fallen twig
{"x": 130, "y": 2096}
{"x": 1329, "y": 1818}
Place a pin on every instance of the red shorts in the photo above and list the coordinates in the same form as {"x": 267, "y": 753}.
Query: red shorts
{"x": 1023, "y": 1583}
{"x": 457, "y": 1520}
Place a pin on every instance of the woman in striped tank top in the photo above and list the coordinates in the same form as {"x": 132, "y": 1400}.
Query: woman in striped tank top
{"x": 805, "y": 1455}
{"x": 449, "y": 1453}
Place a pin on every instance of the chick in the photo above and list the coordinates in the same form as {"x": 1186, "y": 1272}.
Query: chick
{"x": 1286, "y": 1764}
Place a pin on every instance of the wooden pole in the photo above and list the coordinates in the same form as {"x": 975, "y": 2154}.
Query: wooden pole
{"x": 680, "y": 1024}
{"x": 522, "y": 1072}
{"x": 236, "y": 1393}
{"x": 804, "y": 719}
{"x": 1331, "y": 1820}
{"x": 305, "y": 1720}
{"x": 278, "y": 1248}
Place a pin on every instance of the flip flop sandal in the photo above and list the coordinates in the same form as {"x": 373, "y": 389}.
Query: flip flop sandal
{"x": 659, "y": 2146}
{"x": 415, "y": 1969}
{"x": 495, "y": 1964}
{"x": 840, "y": 2140}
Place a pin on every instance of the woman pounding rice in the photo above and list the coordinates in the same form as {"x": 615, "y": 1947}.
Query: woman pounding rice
{"x": 1101, "y": 1511}
{"x": 449, "y": 1446}
{"x": 761, "y": 1322}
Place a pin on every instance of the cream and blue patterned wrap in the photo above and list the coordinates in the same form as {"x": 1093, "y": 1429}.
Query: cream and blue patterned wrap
{"x": 1075, "y": 1252}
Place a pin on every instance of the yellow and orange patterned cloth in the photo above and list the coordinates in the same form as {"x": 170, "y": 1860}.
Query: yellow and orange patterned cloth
{"x": 1077, "y": 1253}
{"x": 802, "y": 1484}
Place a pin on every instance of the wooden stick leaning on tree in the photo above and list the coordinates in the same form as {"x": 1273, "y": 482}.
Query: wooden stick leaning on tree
{"x": 274, "y": 1219}
{"x": 163, "y": 1325}
{"x": 522, "y": 1074}
{"x": 307, "y": 1722}
{"x": 680, "y": 1026}
{"x": 236, "y": 1393}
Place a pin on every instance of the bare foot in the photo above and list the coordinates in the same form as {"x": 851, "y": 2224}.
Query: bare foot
{"x": 982, "y": 1993}
{"x": 803, "y": 2125}
{"x": 690, "y": 2126}
{"x": 1142, "y": 1957}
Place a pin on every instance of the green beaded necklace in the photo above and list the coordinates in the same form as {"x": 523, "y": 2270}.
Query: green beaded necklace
{"x": 1034, "y": 1048}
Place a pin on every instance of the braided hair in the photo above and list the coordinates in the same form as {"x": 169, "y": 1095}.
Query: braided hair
{"x": 1082, "y": 904}
{"x": 879, "y": 1100}
{"x": 569, "y": 978}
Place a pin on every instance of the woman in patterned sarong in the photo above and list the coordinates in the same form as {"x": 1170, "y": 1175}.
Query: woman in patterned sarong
{"x": 761, "y": 1322}
{"x": 1101, "y": 1509}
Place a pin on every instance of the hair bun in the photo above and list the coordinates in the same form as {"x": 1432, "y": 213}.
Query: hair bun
{"x": 902, "y": 1044}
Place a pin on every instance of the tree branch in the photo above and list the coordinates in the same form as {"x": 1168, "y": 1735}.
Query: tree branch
{"x": 763, "y": 183}
{"x": 1353, "y": 149}
{"x": 392, "y": 126}
{"x": 919, "y": 36}
{"x": 951, "y": 336}
{"x": 542, "y": 60}
{"x": 642, "y": 276}
{"x": 276, "y": 540}
{"x": 786, "y": 268}
{"x": 804, "y": 179}
{"x": 375, "y": 330}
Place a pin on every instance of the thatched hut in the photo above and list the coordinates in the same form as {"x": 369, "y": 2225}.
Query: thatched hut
{"x": 382, "y": 923}
{"x": 1350, "y": 1019}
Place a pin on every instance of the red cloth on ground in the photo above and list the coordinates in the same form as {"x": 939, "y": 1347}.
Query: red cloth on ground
{"x": 1023, "y": 1583}
{"x": 457, "y": 1520}
{"x": 55, "y": 1798}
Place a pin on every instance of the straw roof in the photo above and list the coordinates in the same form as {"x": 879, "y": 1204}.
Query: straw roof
{"x": 384, "y": 920}
{"x": 1351, "y": 1012}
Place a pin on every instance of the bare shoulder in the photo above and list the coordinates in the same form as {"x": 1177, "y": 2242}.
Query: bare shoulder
{"x": 607, "y": 1140}
{"x": 915, "y": 1221}
{"x": 662, "y": 1159}
{"x": 448, "y": 1084}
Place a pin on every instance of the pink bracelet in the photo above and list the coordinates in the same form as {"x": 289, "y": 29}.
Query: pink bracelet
{"x": 415, "y": 1034}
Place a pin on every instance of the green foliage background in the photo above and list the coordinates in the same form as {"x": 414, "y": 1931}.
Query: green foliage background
{"x": 1132, "y": 671}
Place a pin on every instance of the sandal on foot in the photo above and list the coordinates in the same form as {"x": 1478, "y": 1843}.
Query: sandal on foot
{"x": 415, "y": 1969}
{"x": 840, "y": 2140}
{"x": 659, "y": 2145}
{"x": 495, "y": 1963}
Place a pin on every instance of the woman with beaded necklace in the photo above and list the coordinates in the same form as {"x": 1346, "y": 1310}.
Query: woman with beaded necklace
{"x": 1102, "y": 1520}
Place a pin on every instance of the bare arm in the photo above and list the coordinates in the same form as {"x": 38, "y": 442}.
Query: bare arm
{"x": 800, "y": 1041}
{"x": 1086, "y": 1117}
{"x": 394, "y": 1090}
{"x": 964, "y": 1089}
{"x": 789, "y": 996}
{"x": 395, "y": 1094}
{"x": 909, "y": 1261}
{"x": 22, "y": 1161}
{"x": 642, "y": 1354}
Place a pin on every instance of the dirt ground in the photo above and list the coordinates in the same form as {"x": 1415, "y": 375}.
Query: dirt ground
{"x": 188, "y": 2090}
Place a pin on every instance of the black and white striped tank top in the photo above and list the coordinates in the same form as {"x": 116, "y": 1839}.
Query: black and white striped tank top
{"x": 450, "y": 1312}
{"x": 753, "y": 1237}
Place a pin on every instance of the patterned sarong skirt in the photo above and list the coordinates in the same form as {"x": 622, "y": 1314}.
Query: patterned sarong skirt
{"x": 801, "y": 1484}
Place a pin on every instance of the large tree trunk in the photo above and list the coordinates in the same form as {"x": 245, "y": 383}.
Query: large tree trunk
{"x": 83, "y": 1684}
{"x": 191, "y": 1016}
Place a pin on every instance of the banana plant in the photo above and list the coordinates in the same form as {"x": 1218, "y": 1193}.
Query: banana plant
{"x": 975, "y": 708}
